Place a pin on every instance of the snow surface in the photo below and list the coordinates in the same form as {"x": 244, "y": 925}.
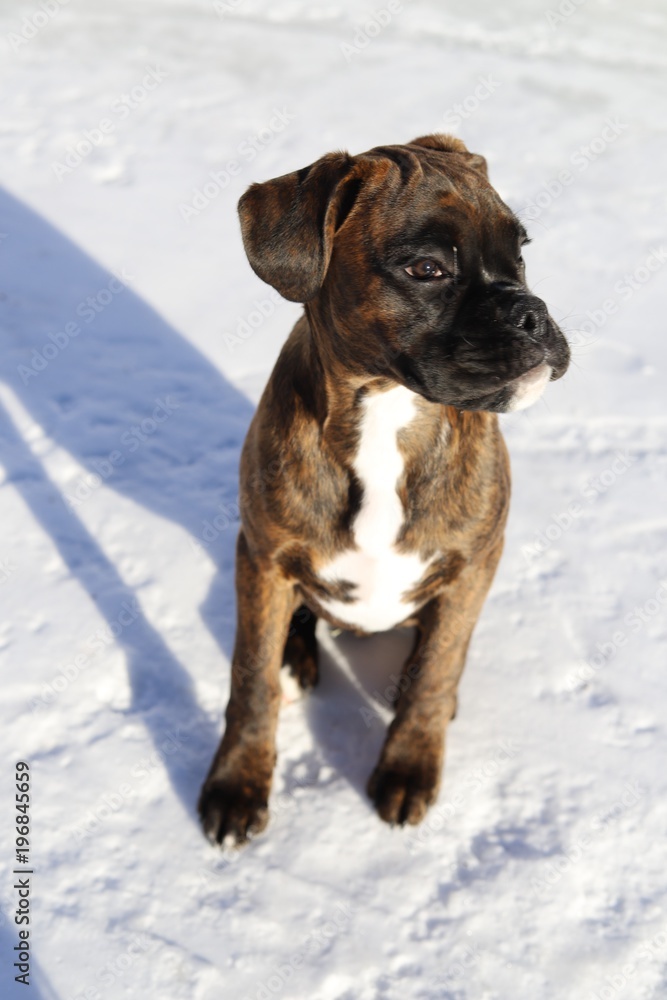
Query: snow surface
{"x": 541, "y": 871}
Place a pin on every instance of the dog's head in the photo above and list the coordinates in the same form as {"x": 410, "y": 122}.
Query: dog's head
{"x": 411, "y": 258}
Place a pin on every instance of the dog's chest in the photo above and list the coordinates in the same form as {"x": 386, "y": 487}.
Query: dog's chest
{"x": 381, "y": 576}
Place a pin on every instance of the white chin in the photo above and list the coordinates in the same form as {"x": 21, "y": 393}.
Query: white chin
{"x": 529, "y": 387}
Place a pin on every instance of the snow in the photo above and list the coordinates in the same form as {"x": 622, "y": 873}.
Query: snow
{"x": 540, "y": 871}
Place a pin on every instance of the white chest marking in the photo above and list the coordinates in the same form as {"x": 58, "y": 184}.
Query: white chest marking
{"x": 381, "y": 575}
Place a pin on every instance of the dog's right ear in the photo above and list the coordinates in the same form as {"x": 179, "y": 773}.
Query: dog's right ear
{"x": 288, "y": 224}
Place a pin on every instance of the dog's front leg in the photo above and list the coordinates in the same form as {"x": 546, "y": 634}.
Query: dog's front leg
{"x": 406, "y": 780}
{"x": 234, "y": 799}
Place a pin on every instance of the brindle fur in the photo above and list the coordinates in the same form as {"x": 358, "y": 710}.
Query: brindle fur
{"x": 454, "y": 489}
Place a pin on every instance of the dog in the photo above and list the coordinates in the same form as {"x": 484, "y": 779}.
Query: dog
{"x": 374, "y": 480}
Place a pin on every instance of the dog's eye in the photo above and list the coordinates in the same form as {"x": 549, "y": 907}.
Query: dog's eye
{"x": 524, "y": 243}
{"x": 424, "y": 270}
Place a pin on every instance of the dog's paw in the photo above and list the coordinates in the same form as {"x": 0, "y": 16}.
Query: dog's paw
{"x": 403, "y": 793}
{"x": 231, "y": 812}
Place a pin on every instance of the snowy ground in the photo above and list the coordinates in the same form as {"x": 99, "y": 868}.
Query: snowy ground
{"x": 540, "y": 873}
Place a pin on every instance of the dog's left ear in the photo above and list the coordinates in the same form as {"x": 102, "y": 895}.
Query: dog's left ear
{"x": 450, "y": 144}
{"x": 288, "y": 224}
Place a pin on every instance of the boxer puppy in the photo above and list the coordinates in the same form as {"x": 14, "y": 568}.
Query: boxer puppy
{"x": 374, "y": 478}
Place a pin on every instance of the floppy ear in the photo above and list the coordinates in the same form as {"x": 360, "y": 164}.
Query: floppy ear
{"x": 288, "y": 224}
{"x": 450, "y": 144}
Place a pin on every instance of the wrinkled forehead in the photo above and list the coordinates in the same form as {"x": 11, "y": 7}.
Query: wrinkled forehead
{"x": 428, "y": 196}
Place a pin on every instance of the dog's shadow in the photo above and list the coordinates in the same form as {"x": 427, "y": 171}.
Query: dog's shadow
{"x": 350, "y": 707}
{"x": 89, "y": 360}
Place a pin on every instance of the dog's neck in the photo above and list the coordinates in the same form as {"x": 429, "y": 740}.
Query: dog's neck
{"x": 341, "y": 396}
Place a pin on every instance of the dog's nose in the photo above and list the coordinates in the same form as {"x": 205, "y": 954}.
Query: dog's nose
{"x": 530, "y": 315}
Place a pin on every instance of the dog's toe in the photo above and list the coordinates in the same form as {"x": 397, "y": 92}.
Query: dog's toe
{"x": 230, "y": 814}
{"x": 402, "y": 796}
